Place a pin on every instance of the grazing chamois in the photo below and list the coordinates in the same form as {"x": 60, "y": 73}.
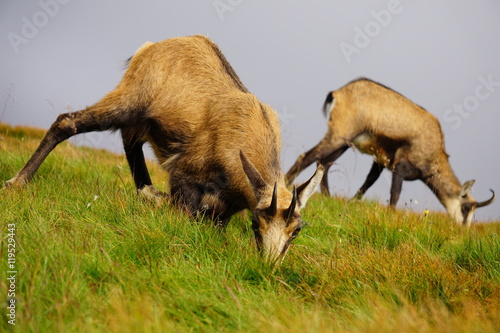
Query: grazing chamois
{"x": 401, "y": 136}
{"x": 219, "y": 144}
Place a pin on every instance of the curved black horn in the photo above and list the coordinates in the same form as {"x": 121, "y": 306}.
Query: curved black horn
{"x": 487, "y": 202}
{"x": 291, "y": 209}
{"x": 273, "y": 208}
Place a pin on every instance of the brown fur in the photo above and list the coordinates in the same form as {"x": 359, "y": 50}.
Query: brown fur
{"x": 400, "y": 135}
{"x": 206, "y": 129}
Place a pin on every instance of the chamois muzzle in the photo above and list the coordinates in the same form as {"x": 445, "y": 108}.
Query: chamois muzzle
{"x": 487, "y": 202}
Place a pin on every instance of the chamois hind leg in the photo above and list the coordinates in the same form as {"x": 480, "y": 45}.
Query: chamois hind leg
{"x": 372, "y": 177}
{"x": 135, "y": 157}
{"x": 108, "y": 113}
{"x": 326, "y": 151}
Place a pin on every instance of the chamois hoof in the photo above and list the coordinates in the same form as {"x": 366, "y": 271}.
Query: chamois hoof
{"x": 152, "y": 194}
{"x": 358, "y": 196}
{"x": 15, "y": 182}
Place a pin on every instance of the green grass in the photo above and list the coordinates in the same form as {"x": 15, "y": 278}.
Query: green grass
{"x": 93, "y": 257}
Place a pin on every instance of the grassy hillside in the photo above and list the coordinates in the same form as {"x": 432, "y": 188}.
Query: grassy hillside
{"x": 93, "y": 257}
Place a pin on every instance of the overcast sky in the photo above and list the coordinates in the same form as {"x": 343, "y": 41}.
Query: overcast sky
{"x": 59, "y": 55}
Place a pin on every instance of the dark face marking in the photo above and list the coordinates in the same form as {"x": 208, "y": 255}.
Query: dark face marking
{"x": 262, "y": 225}
{"x": 466, "y": 210}
{"x": 295, "y": 233}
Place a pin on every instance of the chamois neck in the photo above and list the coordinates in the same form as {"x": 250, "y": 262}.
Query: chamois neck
{"x": 442, "y": 181}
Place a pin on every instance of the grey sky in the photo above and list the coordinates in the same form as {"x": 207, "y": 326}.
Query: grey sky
{"x": 444, "y": 55}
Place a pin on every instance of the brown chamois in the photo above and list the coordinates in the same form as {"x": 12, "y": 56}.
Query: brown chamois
{"x": 218, "y": 142}
{"x": 401, "y": 136}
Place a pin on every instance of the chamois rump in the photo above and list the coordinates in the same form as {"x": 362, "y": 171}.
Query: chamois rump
{"x": 219, "y": 144}
{"x": 401, "y": 136}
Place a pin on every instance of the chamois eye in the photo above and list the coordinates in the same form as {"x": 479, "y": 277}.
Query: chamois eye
{"x": 296, "y": 232}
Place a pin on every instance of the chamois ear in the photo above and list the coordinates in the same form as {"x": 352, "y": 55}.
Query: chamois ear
{"x": 466, "y": 187}
{"x": 307, "y": 189}
{"x": 258, "y": 183}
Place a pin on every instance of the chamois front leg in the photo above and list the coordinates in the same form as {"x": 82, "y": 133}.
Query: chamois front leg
{"x": 135, "y": 157}
{"x": 396, "y": 186}
{"x": 404, "y": 170}
{"x": 372, "y": 177}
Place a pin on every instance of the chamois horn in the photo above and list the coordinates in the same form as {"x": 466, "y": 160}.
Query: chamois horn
{"x": 273, "y": 208}
{"x": 291, "y": 209}
{"x": 487, "y": 202}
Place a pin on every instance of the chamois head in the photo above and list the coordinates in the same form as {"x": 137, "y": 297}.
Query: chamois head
{"x": 462, "y": 207}
{"x": 276, "y": 219}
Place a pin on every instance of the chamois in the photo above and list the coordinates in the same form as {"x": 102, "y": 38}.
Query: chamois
{"x": 401, "y": 136}
{"x": 219, "y": 144}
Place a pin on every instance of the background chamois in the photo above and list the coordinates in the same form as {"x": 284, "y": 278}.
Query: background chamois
{"x": 400, "y": 135}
